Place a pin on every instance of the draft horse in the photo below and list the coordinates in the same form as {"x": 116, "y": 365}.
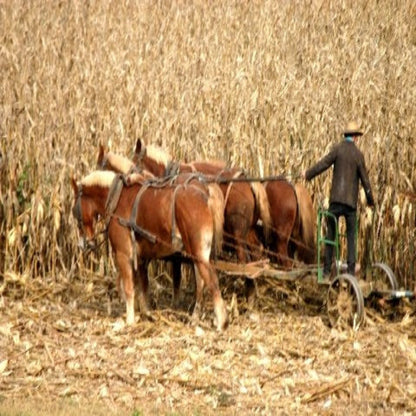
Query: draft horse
{"x": 245, "y": 202}
{"x": 108, "y": 160}
{"x": 293, "y": 223}
{"x": 146, "y": 221}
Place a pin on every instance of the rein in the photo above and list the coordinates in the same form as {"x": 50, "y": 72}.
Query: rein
{"x": 220, "y": 180}
{"x": 230, "y": 184}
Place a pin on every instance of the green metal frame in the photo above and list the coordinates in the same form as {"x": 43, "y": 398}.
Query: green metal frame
{"x": 323, "y": 214}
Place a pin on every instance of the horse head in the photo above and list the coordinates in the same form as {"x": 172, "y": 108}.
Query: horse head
{"x": 108, "y": 160}
{"x": 117, "y": 163}
{"x": 139, "y": 152}
{"x": 88, "y": 207}
{"x": 151, "y": 158}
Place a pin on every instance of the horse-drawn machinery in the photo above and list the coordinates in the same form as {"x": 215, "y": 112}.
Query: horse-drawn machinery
{"x": 347, "y": 295}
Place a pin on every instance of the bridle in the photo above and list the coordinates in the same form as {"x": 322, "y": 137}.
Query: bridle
{"x": 87, "y": 244}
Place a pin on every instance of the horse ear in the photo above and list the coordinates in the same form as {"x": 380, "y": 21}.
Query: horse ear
{"x": 74, "y": 185}
{"x": 139, "y": 146}
{"x": 100, "y": 154}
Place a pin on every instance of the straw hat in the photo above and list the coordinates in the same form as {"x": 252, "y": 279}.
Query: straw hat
{"x": 353, "y": 129}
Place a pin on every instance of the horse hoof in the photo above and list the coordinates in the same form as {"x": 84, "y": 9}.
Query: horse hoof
{"x": 224, "y": 325}
{"x": 149, "y": 317}
{"x": 195, "y": 319}
{"x": 130, "y": 322}
{"x": 221, "y": 327}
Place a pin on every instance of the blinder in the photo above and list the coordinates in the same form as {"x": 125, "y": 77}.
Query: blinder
{"x": 85, "y": 244}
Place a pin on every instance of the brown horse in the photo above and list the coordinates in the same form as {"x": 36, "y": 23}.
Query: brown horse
{"x": 147, "y": 221}
{"x": 108, "y": 160}
{"x": 293, "y": 223}
{"x": 245, "y": 202}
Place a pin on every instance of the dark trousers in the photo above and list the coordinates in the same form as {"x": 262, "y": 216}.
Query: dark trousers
{"x": 350, "y": 214}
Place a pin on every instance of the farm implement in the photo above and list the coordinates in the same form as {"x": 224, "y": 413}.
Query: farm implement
{"x": 347, "y": 295}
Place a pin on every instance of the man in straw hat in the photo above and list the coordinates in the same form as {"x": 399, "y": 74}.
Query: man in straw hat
{"x": 348, "y": 169}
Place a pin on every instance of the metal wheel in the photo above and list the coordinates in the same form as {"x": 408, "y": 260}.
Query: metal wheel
{"x": 382, "y": 278}
{"x": 380, "y": 284}
{"x": 345, "y": 302}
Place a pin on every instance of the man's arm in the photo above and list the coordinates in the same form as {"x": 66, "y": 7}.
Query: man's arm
{"x": 366, "y": 183}
{"x": 321, "y": 166}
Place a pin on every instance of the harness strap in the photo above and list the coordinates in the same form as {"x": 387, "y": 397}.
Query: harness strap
{"x": 192, "y": 166}
{"x": 298, "y": 219}
{"x": 113, "y": 197}
{"x": 78, "y": 211}
{"x": 138, "y": 230}
{"x": 135, "y": 210}
{"x": 161, "y": 182}
{"x": 134, "y": 228}
{"x": 230, "y": 184}
{"x": 195, "y": 176}
{"x": 173, "y": 212}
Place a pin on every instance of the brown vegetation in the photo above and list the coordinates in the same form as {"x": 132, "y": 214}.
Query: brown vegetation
{"x": 265, "y": 85}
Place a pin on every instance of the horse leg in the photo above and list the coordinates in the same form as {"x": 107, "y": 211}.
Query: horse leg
{"x": 176, "y": 276}
{"x": 282, "y": 252}
{"x": 199, "y": 294}
{"x": 256, "y": 247}
{"x": 209, "y": 277}
{"x": 142, "y": 282}
{"x": 126, "y": 279}
{"x": 250, "y": 289}
{"x": 243, "y": 257}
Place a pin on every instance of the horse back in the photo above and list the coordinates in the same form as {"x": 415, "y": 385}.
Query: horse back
{"x": 283, "y": 203}
{"x": 175, "y": 216}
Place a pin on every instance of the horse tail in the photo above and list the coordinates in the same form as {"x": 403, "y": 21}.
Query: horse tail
{"x": 307, "y": 248}
{"x": 263, "y": 207}
{"x": 216, "y": 205}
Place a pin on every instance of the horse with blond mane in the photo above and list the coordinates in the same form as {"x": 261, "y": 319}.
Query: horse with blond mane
{"x": 245, "y": 202}
{"x": 108, "y": 160}
{"x": 286, "y": 210}
{"x": 293, "y": 219}
{"x": 146, "y": 221}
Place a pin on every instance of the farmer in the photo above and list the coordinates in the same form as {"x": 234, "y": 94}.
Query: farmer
{"x": 348, "y": 168}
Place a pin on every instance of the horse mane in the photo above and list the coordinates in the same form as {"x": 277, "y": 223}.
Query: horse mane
{"x": 217, "y": 163}
{"x": 119, "y": 162}
{"x": 162, "y": 157}
{"x": 158, "y": 154}
{"x": 139, "y": 177}
{"x": 103, "y": 178}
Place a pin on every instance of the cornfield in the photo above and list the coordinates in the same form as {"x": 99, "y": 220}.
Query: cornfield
{"x": 265, "y": 85}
